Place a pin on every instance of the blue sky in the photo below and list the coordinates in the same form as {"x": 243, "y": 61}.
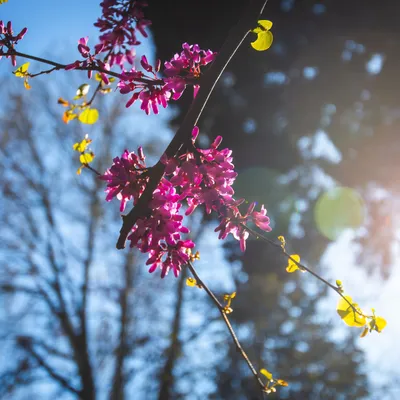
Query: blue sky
{"x": 57, "y": 25}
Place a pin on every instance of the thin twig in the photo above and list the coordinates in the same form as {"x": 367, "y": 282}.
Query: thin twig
{"x": 302, "y": 267}
{"x": 58, "y": 66}
{"x": 228, "y": 324}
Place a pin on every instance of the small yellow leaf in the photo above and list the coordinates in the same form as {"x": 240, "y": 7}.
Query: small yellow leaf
{"x": 83, "y": 90}
{"x": 347, "y": 313}
{"x": 81, "y": 146}
{"x": 3, "y": 1}
{"x": 283, "y": 241}
{"x": 22, "y": 70}
{"x": 89, "y": 116}
{"x": 263, "y": 42}
{"x": 364, "y": 332}
{"x": 292, "y": 266}
{"x": 266, "y": 373}
{"x": 191, "y": 282}
{"x": 264, "y": 36}
{"x": 105, "y": 91}
{"x": 282, "y": 382}
{"x": 27, "y": 85}
{"x": 68, "y": 116}
{"x": 380, "y": 324}
{"x": 263, "y": 25}
{"x": 338, "y": 283}
{"x": 86, "y": 158}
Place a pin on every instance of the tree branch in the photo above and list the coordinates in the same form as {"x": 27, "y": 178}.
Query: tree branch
{"x": 229, "y": 326}
{"x": 27, "y": 345}
{"x": 183, "y": 135}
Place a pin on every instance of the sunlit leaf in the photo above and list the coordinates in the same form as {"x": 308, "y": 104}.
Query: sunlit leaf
{"x": 83, "y": 90}
{"x": 3, "y": 1}
{"x": 27, "y": 86}
{"x": 283, "y": 241}
{"x": 282, "y": 382}
{"x": 81, "y": 146}
{"x": 89, "y": 116}
{"x": 266, "y": 373}
{"x": 86, "y": 158}
{"x": 380, "y": 324}
{"x": 68, "y": 116}
{"x": 106, "y": 91}
{"x": 191, "y": 282}
{"x": 22, "y": 70}
{"x": 263, "y": 25}
{"x": 292, "y": 266}
{"x": 228, "y": 297}
{"x": 264, "y": 36}
{"x": 349, "y": 312}
{"x": 364, "y": 332}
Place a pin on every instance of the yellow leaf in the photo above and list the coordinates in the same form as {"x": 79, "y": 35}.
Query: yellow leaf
{"x": 283, "y": 241}
{"x": 264, "y": 36}
{"x": 281, "y": 382}
{"x": 79, "y": 171}
{"x": 22, "y": 70}
{"x": 292, "y": 266}
{"x": 347, "y": 313}
{"x": 263, "y": 42}
{"x": 86, "y": 158}
{"x": 266, "y": 373}
{"x": 68, "y": 116}
{"x": 364, "y": 332}
{"x": 3, "y": 1}
{"x": 380, "y": 323}
{"x": 228, "y": 297}
{"x": 191, "y": 282}
{"x": 263, "y": 25}
{"x": 81, "y": 146}
{"x": 27, "y": 85}
{"x": 89, "y": 116}
{"x": 83, "y": 90}
{"x": 105, "y": 91}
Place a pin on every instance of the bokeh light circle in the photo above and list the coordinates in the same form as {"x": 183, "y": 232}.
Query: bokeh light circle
{"x": 339, "y": 209}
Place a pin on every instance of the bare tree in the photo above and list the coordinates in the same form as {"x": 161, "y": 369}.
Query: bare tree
{"x": 68, "y": 324}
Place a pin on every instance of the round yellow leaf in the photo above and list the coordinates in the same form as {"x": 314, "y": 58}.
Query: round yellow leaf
{"x": 292, "y": 266}
{"x": 380, "y": 323}
{"x": 89, "y": 116}
{"x": 263, "y": 41}
{"x": 347, "y": 313}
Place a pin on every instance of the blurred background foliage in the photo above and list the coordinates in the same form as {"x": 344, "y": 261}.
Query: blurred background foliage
{"x": 317, "y": 112}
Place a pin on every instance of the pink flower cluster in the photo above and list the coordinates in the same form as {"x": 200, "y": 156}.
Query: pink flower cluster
{"x": 119, "y": 22}
{"x": 9, "y": 40}
{"x": 153, "y": 91}
{"x": 90, "y": 60}
{"x": 185, "y": 67}
{"x": 198, "y": 177}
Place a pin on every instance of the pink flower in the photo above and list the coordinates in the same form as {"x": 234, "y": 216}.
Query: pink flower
{"x": 9, "y": 40}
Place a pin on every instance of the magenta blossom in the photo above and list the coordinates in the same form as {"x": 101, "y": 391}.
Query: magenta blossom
{"x": 9, "y": 40}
